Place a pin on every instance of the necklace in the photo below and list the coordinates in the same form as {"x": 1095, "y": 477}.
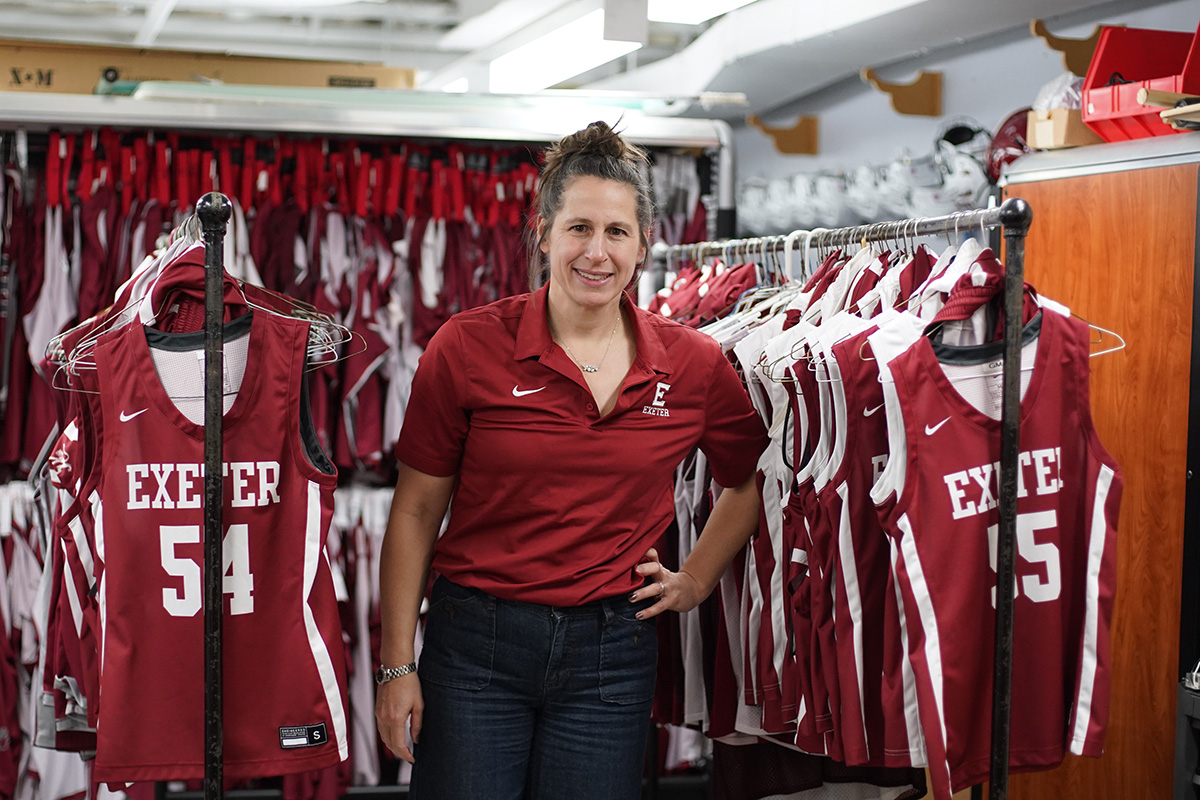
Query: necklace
{"x": 593, "y": 367}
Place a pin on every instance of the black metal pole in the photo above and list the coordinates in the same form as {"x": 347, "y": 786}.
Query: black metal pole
{"x": 1015, "y": 215}
{"x": 214, "y": 210}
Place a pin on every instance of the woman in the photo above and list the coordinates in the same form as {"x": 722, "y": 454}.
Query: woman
{"x": 555, "y": 420}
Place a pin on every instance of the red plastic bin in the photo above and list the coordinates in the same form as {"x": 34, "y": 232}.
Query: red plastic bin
{"x": 1131, "y": 59}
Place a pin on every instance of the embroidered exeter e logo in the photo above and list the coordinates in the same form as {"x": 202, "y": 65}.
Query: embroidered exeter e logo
{"x": 658, "y": 406}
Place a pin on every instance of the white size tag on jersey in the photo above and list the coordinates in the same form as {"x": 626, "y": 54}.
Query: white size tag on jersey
{"x": 227, "y": 385}
{"x": 993, "y": 377}
{"x": 303, "y": 736}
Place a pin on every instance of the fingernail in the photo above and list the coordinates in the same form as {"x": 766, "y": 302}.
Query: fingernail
{"x": 632, "y": 596}
{"x": 638, "y": 615}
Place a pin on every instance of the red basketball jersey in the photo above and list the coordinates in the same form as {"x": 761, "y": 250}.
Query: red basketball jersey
{"x": 944, "y": 525}
{"x": 284, "y": 671}
{"x": 876, "y": 727}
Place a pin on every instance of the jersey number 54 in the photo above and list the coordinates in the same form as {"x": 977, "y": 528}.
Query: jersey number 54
{"x": 237, "y": 582}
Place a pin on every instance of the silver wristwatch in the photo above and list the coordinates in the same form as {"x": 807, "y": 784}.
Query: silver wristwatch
{"x": 385, "y": 674}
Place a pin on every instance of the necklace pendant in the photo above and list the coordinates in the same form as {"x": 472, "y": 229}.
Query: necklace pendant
{"x": 590, "y": 368}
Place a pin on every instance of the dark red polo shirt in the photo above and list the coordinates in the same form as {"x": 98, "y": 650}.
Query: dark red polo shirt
{"x": 554, "y": 503}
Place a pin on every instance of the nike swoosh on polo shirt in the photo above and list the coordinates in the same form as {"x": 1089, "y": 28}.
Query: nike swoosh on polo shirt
{"x": 517, "y": 392}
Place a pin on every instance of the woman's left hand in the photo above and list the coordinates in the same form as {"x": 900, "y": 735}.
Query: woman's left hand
{"x": 676, "y": 591}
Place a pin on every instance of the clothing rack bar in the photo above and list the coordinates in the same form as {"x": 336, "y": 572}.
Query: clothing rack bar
{"x": 673, "y": 786}
{"x": 958, "y": 222}
{"x": 750, "y": 246}
{"x": 214, "y": 210}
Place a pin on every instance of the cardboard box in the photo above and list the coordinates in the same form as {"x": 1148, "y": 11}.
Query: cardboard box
{"x": 1058, "y": 127}
{"x": 78, "y": 69}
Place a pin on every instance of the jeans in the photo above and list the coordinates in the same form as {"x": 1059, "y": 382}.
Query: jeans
{"x": 533, "y": 702}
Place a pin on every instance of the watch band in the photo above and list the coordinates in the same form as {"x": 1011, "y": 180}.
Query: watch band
{"x": 385, "y": 674}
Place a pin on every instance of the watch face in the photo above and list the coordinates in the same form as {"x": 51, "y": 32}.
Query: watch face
{"x": 379, "y": 675}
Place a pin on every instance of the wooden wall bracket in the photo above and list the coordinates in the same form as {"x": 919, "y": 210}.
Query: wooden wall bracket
{"x": 1076, "y": 53}
{"x": 922, "y": 97}
{"x": 800, "y": 139}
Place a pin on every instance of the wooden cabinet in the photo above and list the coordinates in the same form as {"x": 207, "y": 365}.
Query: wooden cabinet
{"x": 1115, "y": 240}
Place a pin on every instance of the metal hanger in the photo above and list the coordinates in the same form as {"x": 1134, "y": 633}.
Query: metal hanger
{"x": 326, "y": 335}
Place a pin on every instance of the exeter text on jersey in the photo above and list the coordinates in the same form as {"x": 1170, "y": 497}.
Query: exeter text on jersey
{"x": 181, "y": 485}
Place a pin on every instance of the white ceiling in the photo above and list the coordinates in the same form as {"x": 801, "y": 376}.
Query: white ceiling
{"x": 775, "y": 51}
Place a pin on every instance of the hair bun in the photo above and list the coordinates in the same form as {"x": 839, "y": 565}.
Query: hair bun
{"x": 597, "y": 139}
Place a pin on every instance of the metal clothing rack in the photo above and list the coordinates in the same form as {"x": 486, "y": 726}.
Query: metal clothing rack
{"x": 407, "y": 114}
{"x": 1014, "y": 217}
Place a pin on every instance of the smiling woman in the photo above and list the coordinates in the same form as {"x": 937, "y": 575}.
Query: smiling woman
{"x": 554, "y": 421}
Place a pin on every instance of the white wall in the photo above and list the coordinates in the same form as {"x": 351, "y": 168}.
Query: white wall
{"x": 982, "y": 81}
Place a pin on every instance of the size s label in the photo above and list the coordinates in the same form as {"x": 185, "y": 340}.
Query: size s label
{"x": 303, "y": 736}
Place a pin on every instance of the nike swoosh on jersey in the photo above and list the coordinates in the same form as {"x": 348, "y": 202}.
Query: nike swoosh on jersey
{"x": 869, "y": 411}
{"x": 519, "y": 393}
{"x": 126, "y": 417}
{"x": 930, "y": 430}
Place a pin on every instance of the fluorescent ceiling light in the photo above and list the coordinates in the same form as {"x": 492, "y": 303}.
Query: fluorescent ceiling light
{"x": 254, "y": 5}
{"x": 691, "y": 12}
{"x": 564, "y": 53}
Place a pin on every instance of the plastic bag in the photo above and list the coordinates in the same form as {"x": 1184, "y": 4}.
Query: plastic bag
{"x": 1065, "y": 91}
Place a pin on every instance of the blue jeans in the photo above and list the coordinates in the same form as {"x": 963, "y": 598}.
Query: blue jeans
{"x": 533, "y": 702}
